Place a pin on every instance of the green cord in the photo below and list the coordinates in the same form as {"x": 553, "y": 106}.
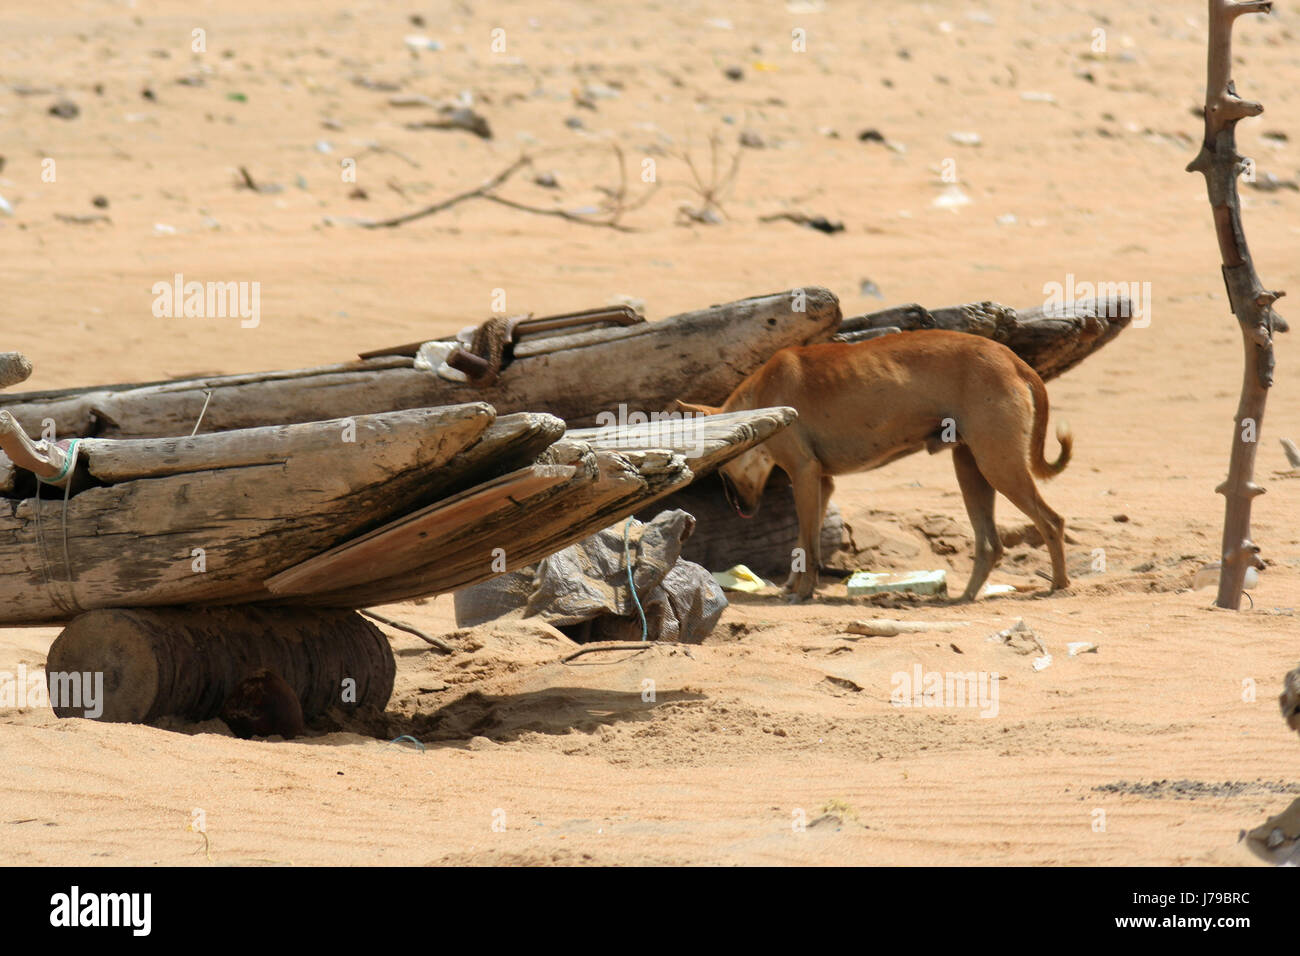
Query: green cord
{"x": 627, "y": 556}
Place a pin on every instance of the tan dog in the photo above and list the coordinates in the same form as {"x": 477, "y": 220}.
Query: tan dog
{"x": 865, "y": 404}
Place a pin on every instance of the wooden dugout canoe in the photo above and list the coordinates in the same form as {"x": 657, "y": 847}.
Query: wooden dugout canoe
{"x": 345, "y": 513}
{"x": 205, "y": 520}
{"x": 574, "y": 376}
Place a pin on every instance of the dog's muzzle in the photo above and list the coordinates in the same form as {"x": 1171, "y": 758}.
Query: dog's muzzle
{"x": 733, "y": 499}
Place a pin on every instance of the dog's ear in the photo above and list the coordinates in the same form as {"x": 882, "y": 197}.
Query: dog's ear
{"x": 679, "y": 406}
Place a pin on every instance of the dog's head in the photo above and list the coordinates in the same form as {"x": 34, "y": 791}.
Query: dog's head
{"x": 745, "y": 476}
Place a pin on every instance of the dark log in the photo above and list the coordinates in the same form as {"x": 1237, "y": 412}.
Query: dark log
{"x": 764, "y": 543}
{"x": 1051, "y": 338}
{"x": 185, "y": 661}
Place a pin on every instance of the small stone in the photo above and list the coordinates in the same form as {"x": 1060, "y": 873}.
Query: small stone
{"x": 734, "y": 73}
{"x": 65, "y": 109}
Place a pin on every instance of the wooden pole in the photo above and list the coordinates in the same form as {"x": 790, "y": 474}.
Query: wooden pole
{"x": 1220, "y": 163}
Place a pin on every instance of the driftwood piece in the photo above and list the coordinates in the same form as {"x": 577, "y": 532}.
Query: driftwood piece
{"x": 1052, "y": 339}
{"x": 637, "y": 368}
{"x": 14, "y": 368}
{"x": 1250, "y": 302}
{"x": 184, "y": 661}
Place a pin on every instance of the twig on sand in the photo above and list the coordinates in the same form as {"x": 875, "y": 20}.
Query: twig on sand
{"x": 436, "y": 642}
{"x": 636, "y": 646}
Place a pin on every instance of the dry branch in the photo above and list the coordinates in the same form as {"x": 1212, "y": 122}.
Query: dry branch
{"x": 1251, "y": 303}
{"x": 616, "y": 206}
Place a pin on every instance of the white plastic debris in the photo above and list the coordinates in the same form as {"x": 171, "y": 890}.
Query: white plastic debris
{"x": 432, "y": 357}
{"x": 965, "y": 138}
{"x": 1209, "y": 575}
{"x": 1081, "y": 647}
{"x": 909, "y": 582}
{"x": 417, "y": 42}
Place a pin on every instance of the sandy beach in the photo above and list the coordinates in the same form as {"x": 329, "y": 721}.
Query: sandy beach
{"x": 775, "y": 741}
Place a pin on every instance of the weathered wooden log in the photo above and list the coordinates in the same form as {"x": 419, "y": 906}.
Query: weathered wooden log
{"x": 764, "y": 543}
{"x": 207, "y": 533}
{"x": 1053, "y": 339}
{"x": 638, "y": 367}
{"x": 185, "y": 661}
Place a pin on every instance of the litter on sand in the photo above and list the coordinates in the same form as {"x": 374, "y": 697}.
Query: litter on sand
{"x": 1209, "y": 575}
{"x": 1020, "y": 637}
{"x": 909, "y": 582}
{"x": 740, "y": 578}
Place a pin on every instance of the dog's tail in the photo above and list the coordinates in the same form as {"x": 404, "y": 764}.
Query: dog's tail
{"x": 1039, "y": 465}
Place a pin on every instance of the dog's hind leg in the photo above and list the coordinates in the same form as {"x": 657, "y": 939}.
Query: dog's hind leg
{"x": 979, "y": 496}
{"x": 1014, "y": 480}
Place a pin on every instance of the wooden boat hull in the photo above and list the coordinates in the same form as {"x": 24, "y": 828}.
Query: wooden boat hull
{"x": 642, "y": 367}
{"x": 211, "y": 517}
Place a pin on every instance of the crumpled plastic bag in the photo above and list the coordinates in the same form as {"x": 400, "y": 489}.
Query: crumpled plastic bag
{"x": 584, "y": 588}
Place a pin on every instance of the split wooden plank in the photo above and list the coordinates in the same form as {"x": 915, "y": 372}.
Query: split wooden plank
{"x": 704, "y": 441}
{"x": 628, "y": 479}
{"x": 398, "y": 543}
{"x": 470, "y": 556}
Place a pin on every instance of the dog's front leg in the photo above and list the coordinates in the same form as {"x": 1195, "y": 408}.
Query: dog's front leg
{"x": 808, "y": 505}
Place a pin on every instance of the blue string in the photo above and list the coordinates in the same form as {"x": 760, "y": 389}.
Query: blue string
{"x": 627, "y": 556}
{"x": 407, "y": 737}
